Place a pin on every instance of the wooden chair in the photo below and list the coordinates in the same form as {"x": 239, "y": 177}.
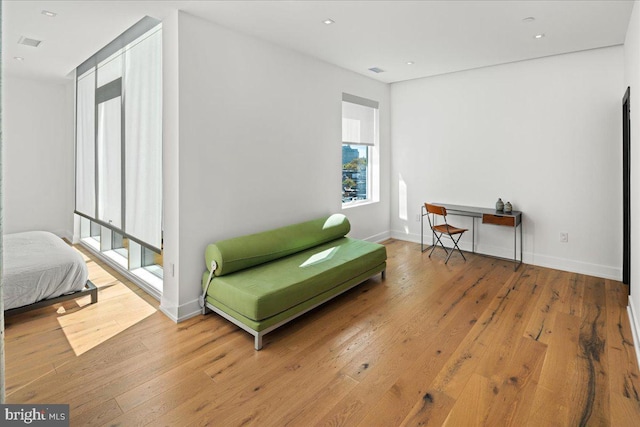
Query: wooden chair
{"x": 445, "y": 229}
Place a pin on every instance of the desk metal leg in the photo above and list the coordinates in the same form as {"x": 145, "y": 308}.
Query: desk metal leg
{"x": 421, "y": 231}
{"x": 521, "y": 242}
{"x": 515, "y": 251}
{"x": 473, "y": 234}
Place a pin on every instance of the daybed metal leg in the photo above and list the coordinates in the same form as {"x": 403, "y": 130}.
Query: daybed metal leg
{"x": 93, "y": 292}
{"x": 258, "y": 341}
{"x": 384, "y": 274}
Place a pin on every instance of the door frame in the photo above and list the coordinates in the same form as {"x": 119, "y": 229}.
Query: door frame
{"x": 626, "y": 187}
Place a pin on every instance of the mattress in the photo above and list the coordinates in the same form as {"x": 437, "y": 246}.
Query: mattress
{"x": 38, "y": 265}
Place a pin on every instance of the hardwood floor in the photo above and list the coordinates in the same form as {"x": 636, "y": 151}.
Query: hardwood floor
{"x": 468, "y": 343}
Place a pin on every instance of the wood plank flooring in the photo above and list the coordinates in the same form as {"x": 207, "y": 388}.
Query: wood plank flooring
{"x": 468, "y": 343}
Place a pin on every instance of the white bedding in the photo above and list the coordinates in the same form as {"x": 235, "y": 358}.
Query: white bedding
{"x": 39, "y": 265}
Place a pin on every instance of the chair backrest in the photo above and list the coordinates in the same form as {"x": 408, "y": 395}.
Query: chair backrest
{"x": 435, "y": 209}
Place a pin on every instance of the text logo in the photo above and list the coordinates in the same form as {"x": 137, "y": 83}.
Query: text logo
{"x": 34, "y": 415}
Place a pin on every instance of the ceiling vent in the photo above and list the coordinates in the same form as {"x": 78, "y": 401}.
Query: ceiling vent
{"x": 376, "y": 70}
{"x": 29, "y": 42}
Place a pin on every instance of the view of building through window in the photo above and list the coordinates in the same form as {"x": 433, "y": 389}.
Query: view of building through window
{"x": 355, "y": 159}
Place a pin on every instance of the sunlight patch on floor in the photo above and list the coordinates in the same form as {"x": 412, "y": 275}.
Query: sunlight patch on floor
{"x": 95, "y": 323}
{"x": 117, "y": 309}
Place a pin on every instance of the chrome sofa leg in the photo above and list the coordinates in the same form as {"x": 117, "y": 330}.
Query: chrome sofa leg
{"x": 258, "y": 341}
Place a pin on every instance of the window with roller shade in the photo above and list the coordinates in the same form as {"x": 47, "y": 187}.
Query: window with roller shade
{"x": 359, "y": 150}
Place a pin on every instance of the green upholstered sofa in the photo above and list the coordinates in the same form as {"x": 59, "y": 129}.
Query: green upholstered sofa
{"x": 261, "y": 281}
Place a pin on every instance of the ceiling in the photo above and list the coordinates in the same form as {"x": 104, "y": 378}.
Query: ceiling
{"x": 437, "y": 36}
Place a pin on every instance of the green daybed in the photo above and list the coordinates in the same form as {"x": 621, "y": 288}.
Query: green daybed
{"x": 261, "y": 281}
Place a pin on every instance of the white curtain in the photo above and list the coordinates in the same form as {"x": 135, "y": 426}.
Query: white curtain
{"x": 110, "y": 161}
{"x": 85, "y": 145}
{"x": 139, "y": 64}
{"x": 142, "y": 83}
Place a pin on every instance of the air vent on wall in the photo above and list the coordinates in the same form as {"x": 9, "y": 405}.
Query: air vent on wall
{"x": 376, "y": 70}
{"x": 29, "y": 42}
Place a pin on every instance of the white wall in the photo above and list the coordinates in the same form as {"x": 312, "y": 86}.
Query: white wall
{"x": 632, "y": 79}
{"x": 170, "y": 300}
{"x": 260, "y": 143}
{"x": 38, "y": 156}
{"x": 544, "y": 134}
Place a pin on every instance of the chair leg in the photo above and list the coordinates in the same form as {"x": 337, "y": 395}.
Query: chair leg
{"x": 450, "y": 252}
{"x": 436, "y": 244}
{"x": 458, "y": 247}
{"x": 455, "y": 246}
{"x": 433, "y": 247}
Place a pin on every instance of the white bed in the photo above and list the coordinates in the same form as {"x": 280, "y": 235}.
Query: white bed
{"x": 38, "y": 266}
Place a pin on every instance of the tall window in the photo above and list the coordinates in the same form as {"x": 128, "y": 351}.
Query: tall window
{"x": 359, "y": 149}
{"x": 119, "y": 152}
{"x": 119, "y": 135}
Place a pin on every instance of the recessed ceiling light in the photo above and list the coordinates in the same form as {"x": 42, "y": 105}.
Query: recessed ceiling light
{"x": 410, "y": 62}
{"x": 538, "y": 36}
{"x": 328, "y": 21}
{"x": 529, "y": 19}
{"x": 49, "y": 13}
{"x": 18, "y": 58}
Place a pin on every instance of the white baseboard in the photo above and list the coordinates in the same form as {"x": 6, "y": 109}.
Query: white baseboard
{"x": 170, "y": 312}
{"x": 497, "y": 251}
{"x": 408, "y": 237}
{"x": 380, "y": 237}
{"x": 634, "y": 321}
{"x": 598, "y": 270}
{"x": 465, "y": 246}
{"x": 183, "y": 312}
